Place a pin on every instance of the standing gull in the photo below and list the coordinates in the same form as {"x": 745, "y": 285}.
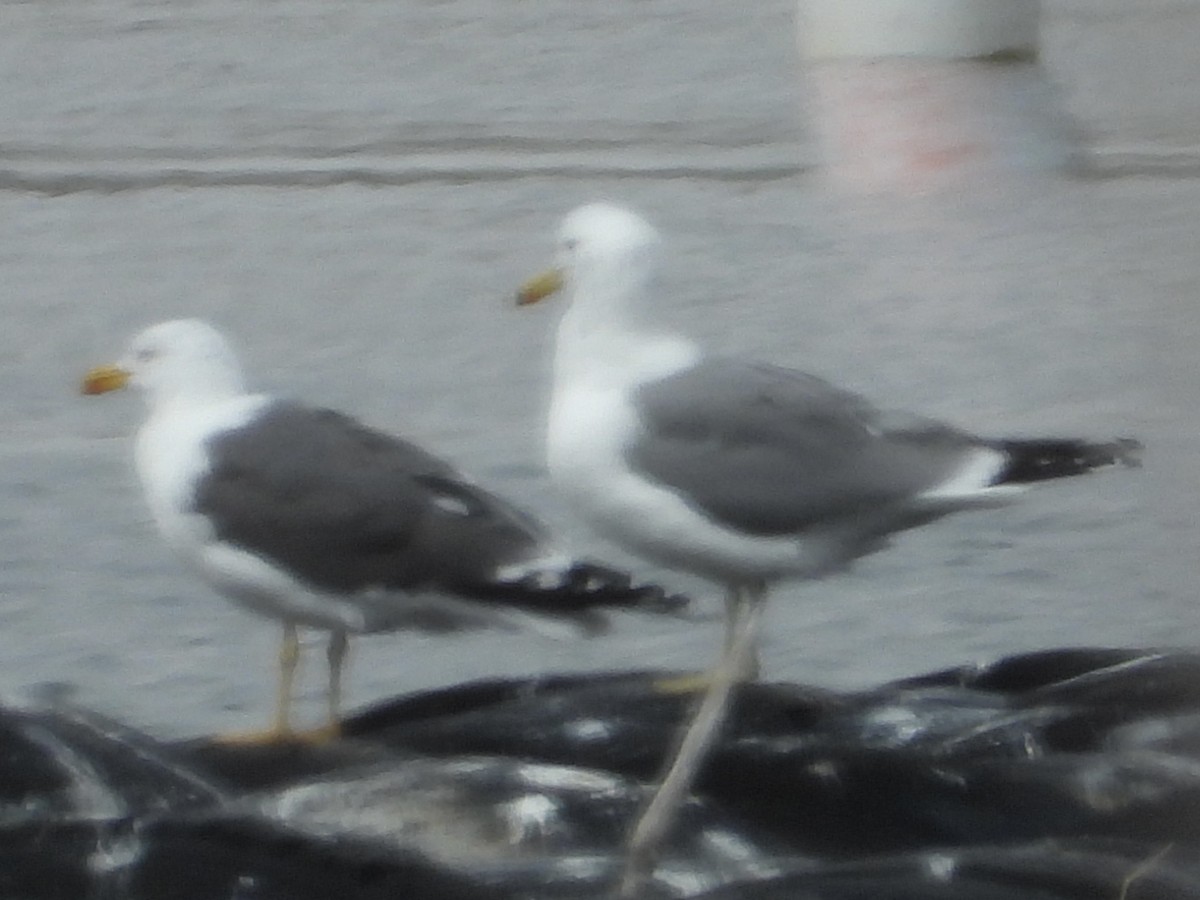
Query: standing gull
{"x": 740, "y": 472}
{"x": 305, "y": 516}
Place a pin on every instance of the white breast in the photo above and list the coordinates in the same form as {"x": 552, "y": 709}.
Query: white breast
{"x": 592, "y": 425}
{"x": 170, "y": 457}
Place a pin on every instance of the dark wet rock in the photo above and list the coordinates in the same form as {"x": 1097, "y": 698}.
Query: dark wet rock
{"x": 1024, "y": 672}
{"x": 71, "y": 763}
{"x": 212, "y": 857}
{"x": 1061, "y": 774}
{"x": 1071, "y": 870}
{"x": 493, "y": 817}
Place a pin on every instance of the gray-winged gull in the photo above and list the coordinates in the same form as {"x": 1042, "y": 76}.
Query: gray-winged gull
{"x": 739, "y": 472}
{"x": 308, "y": 517}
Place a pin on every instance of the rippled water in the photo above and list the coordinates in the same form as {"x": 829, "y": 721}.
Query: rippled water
{"x": 353, "y": 194}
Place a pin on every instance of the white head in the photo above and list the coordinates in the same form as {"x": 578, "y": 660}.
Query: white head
{"x": 181, "y": 361}
{"x": 606, "y": 258}
{"x": 601, "y": 239}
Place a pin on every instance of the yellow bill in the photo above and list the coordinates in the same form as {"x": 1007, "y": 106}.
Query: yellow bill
{"x": 103, "y": 379}
{"x": 539, "y": 287}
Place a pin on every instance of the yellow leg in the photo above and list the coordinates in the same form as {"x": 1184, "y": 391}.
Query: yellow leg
{"x": 733, "y": 612}
{"x": 281, "y": 728}
{"x": 289, "y": 659}
{"x": 745, "y": 605}
{"x": 696, "y": 682}
{"x": 336, "y": 653}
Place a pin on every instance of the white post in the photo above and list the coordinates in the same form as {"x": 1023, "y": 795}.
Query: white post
{"x": 906, "y": 93}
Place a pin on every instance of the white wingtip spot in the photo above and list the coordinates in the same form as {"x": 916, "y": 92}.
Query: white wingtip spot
{"x": 590, "y": 730}
{"x": 975, "y": 477}
{"x": 530, "y": 817}
{"x": 451, "y": 504}
{"x": 545, "y": 572}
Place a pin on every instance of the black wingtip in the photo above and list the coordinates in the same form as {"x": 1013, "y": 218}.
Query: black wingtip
{"x": 1127, "y": 452}
{"x": 1043, "y": 459}
{"x": 612, "y": 587}
{"x": 582, "y": 588}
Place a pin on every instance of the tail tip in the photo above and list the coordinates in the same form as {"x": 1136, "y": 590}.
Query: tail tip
{"x": 591, "y": 578}
{"x": 1127, "y": 452}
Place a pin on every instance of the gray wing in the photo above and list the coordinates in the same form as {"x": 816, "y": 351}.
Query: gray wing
{"x": 769, "y": 450}
{"x": 344, "y": 507}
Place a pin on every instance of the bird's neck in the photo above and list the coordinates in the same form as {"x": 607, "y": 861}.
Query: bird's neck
{"x": 613, "y": 292}
{"x": 608, "y": 335}
{"x": 168, "y": 400}
{"x": 597, "y": 354}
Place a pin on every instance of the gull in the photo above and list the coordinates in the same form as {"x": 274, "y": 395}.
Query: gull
{"x": 737, "y": 471}
{"x": 305, "y": 516}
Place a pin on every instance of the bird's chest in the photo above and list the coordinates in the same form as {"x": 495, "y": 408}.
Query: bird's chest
{"x": 593, "y": 423}
{"x": 171, "y": 459}
{"x": 593, "y": 420}
{"x": 589, "y": 429}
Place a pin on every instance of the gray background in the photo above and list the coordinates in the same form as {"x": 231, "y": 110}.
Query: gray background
{"x": 352, "y": 191}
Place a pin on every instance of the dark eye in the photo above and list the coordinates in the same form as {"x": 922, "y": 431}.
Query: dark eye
{"x": 570, "y": 244}
{"x": 146, "y": 354}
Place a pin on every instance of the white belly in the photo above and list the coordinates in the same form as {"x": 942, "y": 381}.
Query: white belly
{"x": 589, "y": 431}
{"x": 170, "y": 457}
